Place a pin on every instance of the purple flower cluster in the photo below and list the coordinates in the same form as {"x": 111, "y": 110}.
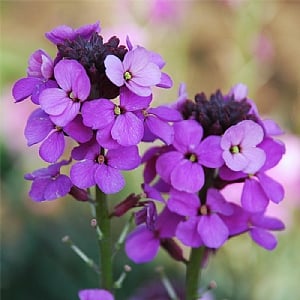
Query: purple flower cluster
{"x": 93, "y": 109}
{"x": 219, "y": 141}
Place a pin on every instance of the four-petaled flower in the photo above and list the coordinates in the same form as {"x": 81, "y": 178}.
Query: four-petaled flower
{"x": 137, "y": 71}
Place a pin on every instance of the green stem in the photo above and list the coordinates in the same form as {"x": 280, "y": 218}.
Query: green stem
{"x": 103, "y": 221}
{"x": 193, "y": 273}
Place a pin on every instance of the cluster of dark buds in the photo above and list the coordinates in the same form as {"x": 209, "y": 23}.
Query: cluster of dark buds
{"x": 93, "y": 110}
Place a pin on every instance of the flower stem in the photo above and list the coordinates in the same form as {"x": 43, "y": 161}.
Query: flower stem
{"x": 193, "y": 273}
{"x": 103, "y": 221}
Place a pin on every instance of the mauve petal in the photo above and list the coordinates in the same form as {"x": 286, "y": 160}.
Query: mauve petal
{"x": 38, "y": 188}
{"x": 128, "y": 129}
{"x": 141, "y": 245}
{"x": 47, "y": 66}
{"x": 254, "y": 198}
{"x": 148, "y": 76}
{"x": 210, "y": 152}
{"x": 108, "y": 179}
{"x": 49, "y": 84}
{"x": 212, "y": 231}
{"x": 165, "y": 81}
{"x": 132, "y": 101}
{"x": 188, "y": 134}
{"x": 149, "y": 171}
{"x": 240, "y": 91}
{"x": 53, "y": 147}
{"x": 95, "y": 294}
{"x": 256, "y": 158}
{"x": 188, "y": 234}
{"x": 273, "y": 189}
{"x": 263, "y": 238}
{"x": 229, "y": 175}
{"x": 161, "y": 129}
{"x": 98, "y": 113}
{"x": 68, "y": 115}
{"x": 156, "y": 58}
{"x": 143, "y": 91}
{"x": 59, "y": 187}
{"x": 182, "y": 203}
{"x": 167, "y": 223}
{"x": 235, "y": 161}
{"x": 105, "y": 139}
{"x": 114, "y": 70}
{"x": 54, "y": 101}
{"x": 217, "y": 202}
{"x": 124, "y": 158}
{"x": 76, "y": 130}
{"x": 152, "y": 193}
{"x": 166, "y": 163}
{"x": 274, "y": 150}
{"x": 267, "y": 222}
{"x": 136, "y": 60}
{"x": 187, "y": 177}
{"x": 81, "y": 85}
{"x": 38, "y": 127}
{"x": 86, "y": 31}
{"x": 232, "y": 136}
{"x": 59, "y": 34}
{"x": 271, "y": 127}
{"x": 87, "y": 150}
{"x": 253, "y": 133}
{"x": 23, "y": 88}
{"x": 82, "y": 174}
{"x": 166, "y": 113}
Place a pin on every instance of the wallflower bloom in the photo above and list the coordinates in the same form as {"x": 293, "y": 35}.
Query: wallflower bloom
{"x": 95, "y": 294}
{"x": 182, "y": 168}
{"x": 63, "y": 104}
{"x": 40, "y": 128}
{"x": 48, "y": 183}
{"x": 39, "y": 77}
{"x": 204, "y": 225}
{"x": 104, "y": 169}
{"x": 137, "y": 71}
{"x": 61, "y": 33}
{"x": 239, "y": 144}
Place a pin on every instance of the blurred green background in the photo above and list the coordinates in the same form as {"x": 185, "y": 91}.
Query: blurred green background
{"x": 209, "y": 45}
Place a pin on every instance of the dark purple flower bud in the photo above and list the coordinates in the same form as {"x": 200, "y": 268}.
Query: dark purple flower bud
{"x": 123, "y": 207}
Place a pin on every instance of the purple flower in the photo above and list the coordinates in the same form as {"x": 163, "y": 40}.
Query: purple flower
{"x": 95, "y": 294}
{"x": 39, "y": 72}
{"x": 40, "y": 128}
{"x": 117, "y": 124}
{"x": 157, "y": 126}
{"x": 182, "y": 168}
{"x": 142, "y": 244}
{"x": 259, "y": 188}
{"x": 239, "y": 144}
{"x": 137, "y": 71}
{"x": 204, "y": 225}
{"x": 104, "y": 169}
{"x": 48, "y": 183}
{"x": 63, "y": 104}
{"x": 61, "y": 33}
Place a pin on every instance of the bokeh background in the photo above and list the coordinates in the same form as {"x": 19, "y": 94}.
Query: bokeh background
{"x": 209, "y": 45}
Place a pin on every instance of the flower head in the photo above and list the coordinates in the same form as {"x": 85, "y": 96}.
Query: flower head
{"x": 137, "y": 72}
{"x": 63, "y": 103}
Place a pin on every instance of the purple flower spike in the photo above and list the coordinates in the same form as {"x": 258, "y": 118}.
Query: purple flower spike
{"x": 95, "y": 294}
{"x": 239, "y": 144}
{"x": 63, "y": 104}
{"x": 182, "y": 168}
{"x": 137, "y": 71}
{"x": 61, "y": 33}
{"x": 48, "y": 183}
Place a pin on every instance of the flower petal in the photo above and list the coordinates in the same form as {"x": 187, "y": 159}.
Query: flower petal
{"x": 108, "y": 179}
{"x": 23, "y": 88}
{"x": 124, "y": 158}
{"x": 263, "y": 238}
{"x": 141, "y": 245}
{"x": 59, "y": 187}
{"x": 95, "y": 294}
{"x": 188, "y": 234}
{"x": 82, "y": 173}
{"x": 53, "y": 147}
{"x": 114, "y": 70}
{"x": 54, "y": 101}
{"x": 212, "y": 231}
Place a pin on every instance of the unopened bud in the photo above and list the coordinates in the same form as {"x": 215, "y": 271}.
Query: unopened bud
{"x": 79, "y": 194}
{"x": 125, "y": 205}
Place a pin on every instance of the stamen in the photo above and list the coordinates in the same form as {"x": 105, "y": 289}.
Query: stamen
{"x": 203, "y": 210}
{"x": 117, "y": 110}
{"x": 235, "y": 149}
{"x": 127, "y": 75}
{"x": 100, "y": 159}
